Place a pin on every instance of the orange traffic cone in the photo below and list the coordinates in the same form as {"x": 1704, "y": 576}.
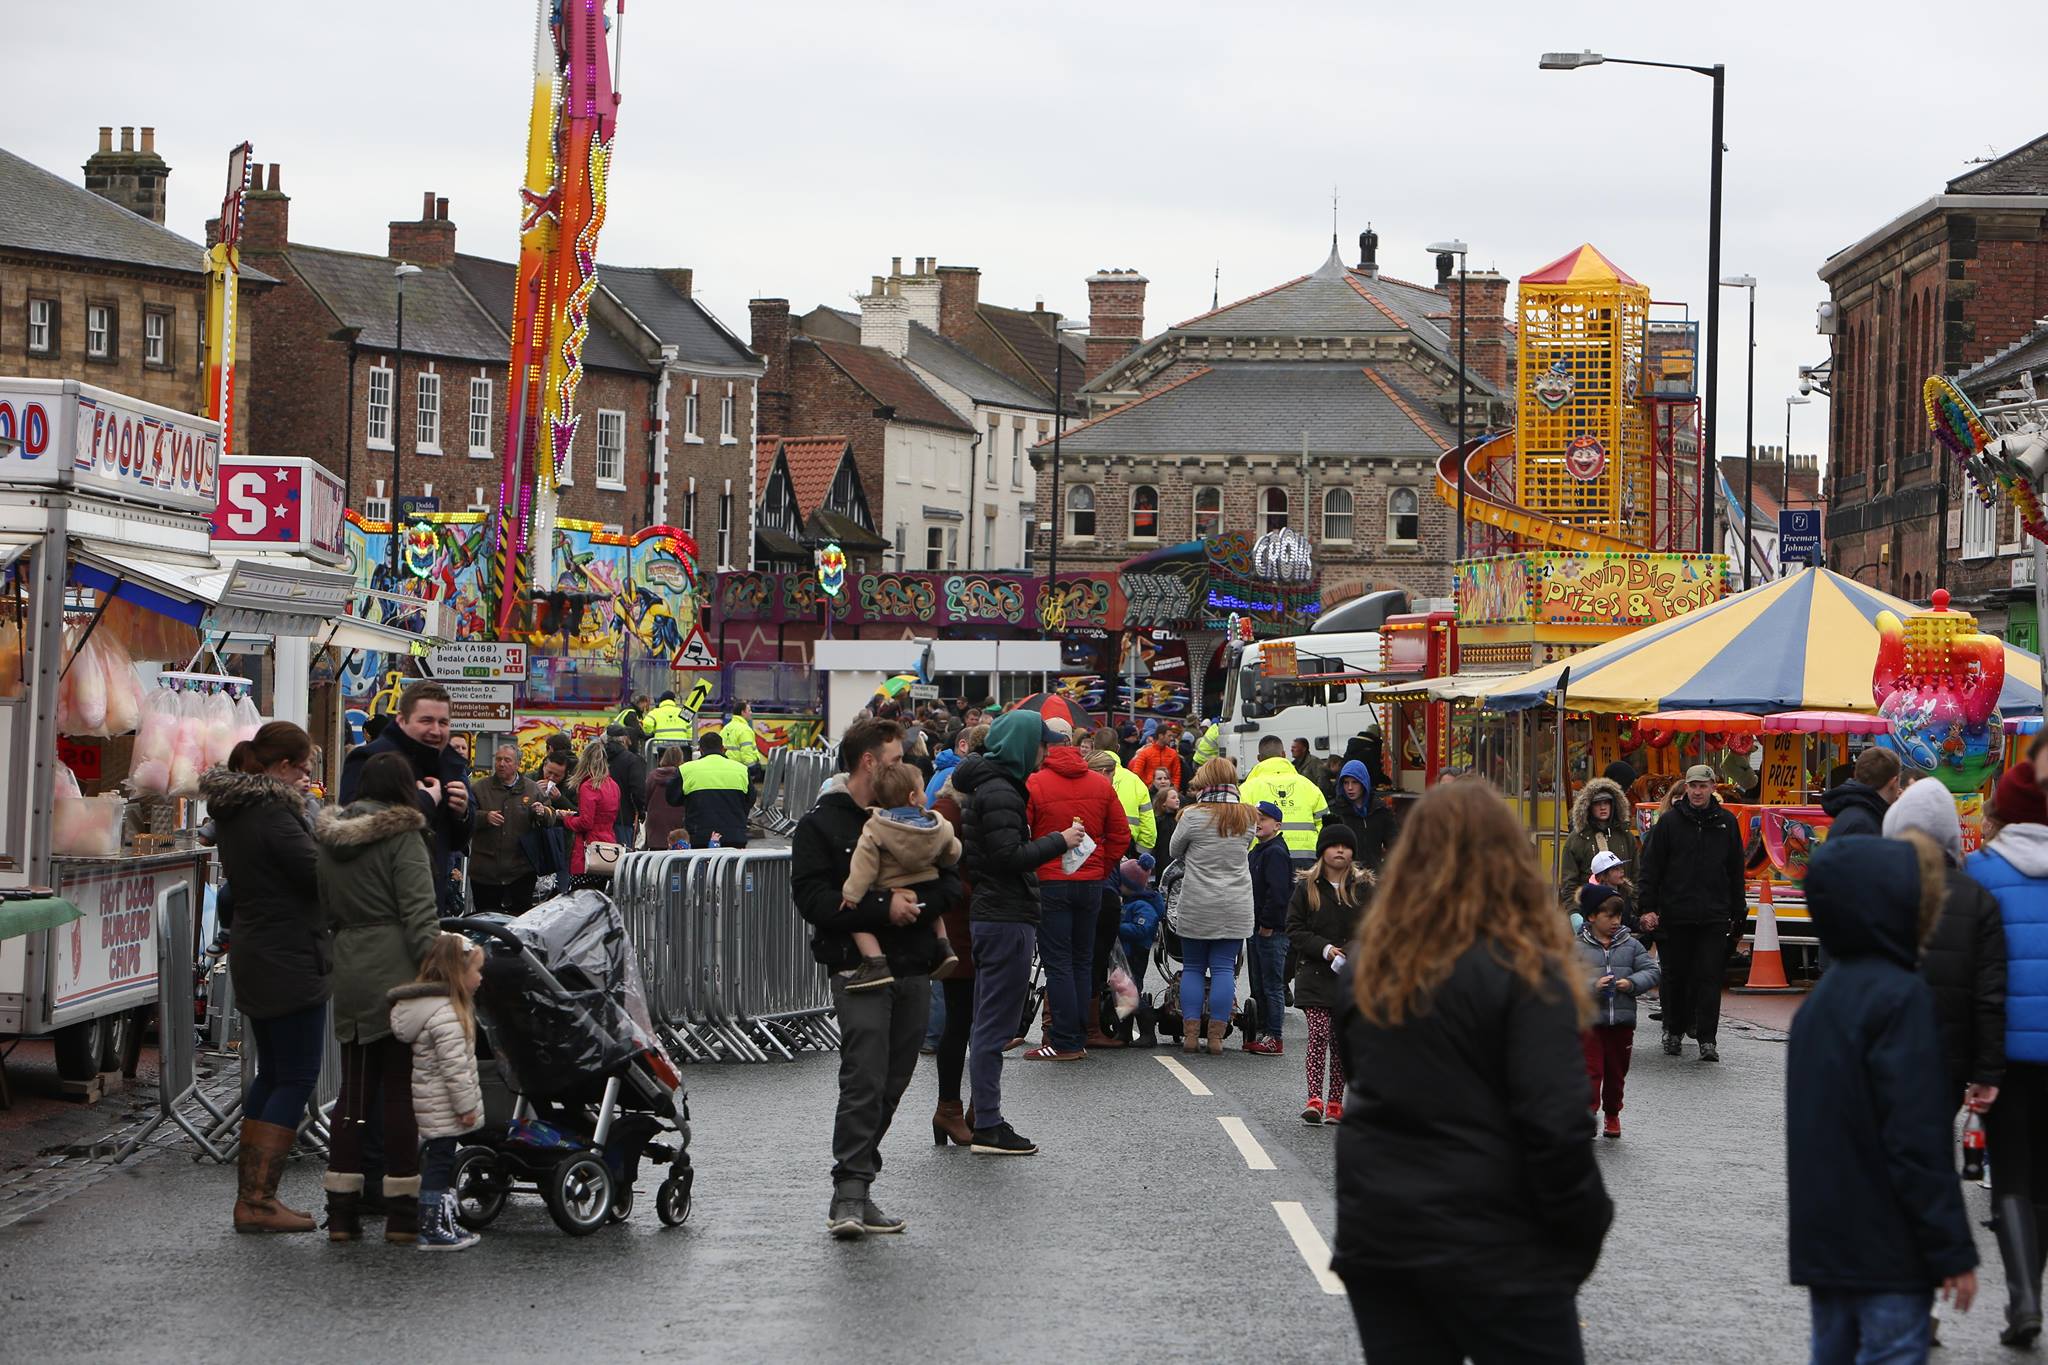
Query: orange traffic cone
{"x": 1766, "y": 959}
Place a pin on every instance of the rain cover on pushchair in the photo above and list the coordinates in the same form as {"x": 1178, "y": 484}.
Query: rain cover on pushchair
{"x": 562, "y": 1036}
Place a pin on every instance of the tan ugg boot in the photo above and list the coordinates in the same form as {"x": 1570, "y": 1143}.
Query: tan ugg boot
{"x": 1190, "y": 1032}
{"x": 1216, "y": 1027}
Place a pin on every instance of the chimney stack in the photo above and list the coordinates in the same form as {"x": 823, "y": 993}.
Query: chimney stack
{"x": 1486, "y": 327}
{"x": 959, "y": 300}
{"x": 682, "y": 280}
{"x": 1369, "y": 251}
{"x": 133, "y": 179}
{"x": 266, "y": 214}
{"x": 428, "y": 242}
{"x": 770, "y": 340}
{"x": 1116, "y": 318}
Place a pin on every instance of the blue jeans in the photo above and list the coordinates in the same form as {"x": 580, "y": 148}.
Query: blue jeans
{"x": 1870, "y": 1329}
{"x": 1066, "y": 945}
{"x": 288, "y": 1052}
{"x": 437, "y": 1168}
{"x": 1268, "y": 958}
{"x": 936, "y": 1025}
{"x": 1002, "y": 977}
{"x": 1217, "y": 957}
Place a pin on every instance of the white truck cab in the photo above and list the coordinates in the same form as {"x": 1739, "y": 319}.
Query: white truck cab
{"x": 1327, "y": 715}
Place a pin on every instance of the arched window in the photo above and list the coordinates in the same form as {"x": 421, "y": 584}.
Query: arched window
{"x": 1273, "y": 509}
{"x": 1144, "y": 512}
{"x": 1404, "y": 516}
{"x": 1337, "y": 514}
{"x": 1081, "y": 511}
{"x": 1208, "y": 511}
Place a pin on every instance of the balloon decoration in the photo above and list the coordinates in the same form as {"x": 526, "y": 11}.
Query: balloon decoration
{"x": 1625, "y": 735}
{"x": 1937, "y": 683}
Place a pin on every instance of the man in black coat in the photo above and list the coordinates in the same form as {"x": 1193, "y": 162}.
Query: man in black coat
{"x": 1692, "y": 882}
{"x": 1876, "y": 1211}
{"x": 880, "y": 1029}
{"x": 421, "y": 734}
{"x": 629, "y": 770}
{"x": 1859, "y": 804}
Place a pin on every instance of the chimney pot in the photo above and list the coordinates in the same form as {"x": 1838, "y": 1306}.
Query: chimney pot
{"x": 106, "y": 139}
{"x": 895, "y": 267}
{"x": 127, "y": 139}
{"x": 1444, "y": 260}
{"x": 273, "y": 178}
{"x": 149, "y": 141}
{"x": 1369, "y": 251}
{"x": 427, "y": 208}
{"x": 440, "y": 209}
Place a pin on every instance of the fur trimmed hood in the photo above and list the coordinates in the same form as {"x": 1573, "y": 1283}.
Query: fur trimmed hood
{"x": 1624, "y": 814}
{"x": 229, "y": 791}
{"x": 416, "y": 990}
{"x": 351, "y": 830}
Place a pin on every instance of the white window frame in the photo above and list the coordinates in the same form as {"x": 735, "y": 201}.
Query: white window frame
{"x": 1092, "y": 509}
{"x": 1286, "y": 508}
{"x": 1195, "y": 510}
{"x": 690, "y": 434}
{"x": 45, "y": 324}
{"x": 99, "y": 331}
{"x": 934, "y": 549}
{"x": 1980, "y": 527}
{"x": 482, "y": 393}
{"x": 952, "y": 547}
{"x": 1349, "y": 515}
{"x": 1017, "y": 452}
{"x": 995, "y": 425}
{"x": 426, "y": 413}
{"x": 725, "y": 527}
{"x": 728, "y": 409}
{"x": 379, "y": 418}
{"x": 156, "y": 338}
{"x": 1135, "y": 533}
{"x": 690, "y": 508}
{"x": 1395, "y": 496}
{"x": 377, "y": 509}
{"x": 616, "y": 419}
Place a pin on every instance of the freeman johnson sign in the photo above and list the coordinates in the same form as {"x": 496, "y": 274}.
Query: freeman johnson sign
{"x": 283, "y": 504}
{"x": 61, "y": 433}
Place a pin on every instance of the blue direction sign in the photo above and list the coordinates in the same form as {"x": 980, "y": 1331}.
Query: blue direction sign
{"x": 1799, "y": 535}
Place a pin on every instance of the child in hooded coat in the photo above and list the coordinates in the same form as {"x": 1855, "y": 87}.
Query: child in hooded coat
{"x": 1622, "y": 970}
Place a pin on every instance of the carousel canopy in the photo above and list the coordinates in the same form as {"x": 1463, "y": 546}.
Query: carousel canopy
{"x": 1808, "y": 642}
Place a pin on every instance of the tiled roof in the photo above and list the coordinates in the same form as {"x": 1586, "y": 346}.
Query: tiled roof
{"x": 1026, "y": 334}
{"x": 2023, "y": 170}
{"x": 442, "y": 318}
{"x": 1254, "y": 408}
{"x": 983, "y": 384}
{"x": 679, "y": 320}
{"x": 813, "y": 463}
{"x": 2027, "y": 354}
{"x": 43, "y": 212}
{"x": 892, "y": 384}
{"x": 1332, "y": 301}
{"x": 490, "y": 284}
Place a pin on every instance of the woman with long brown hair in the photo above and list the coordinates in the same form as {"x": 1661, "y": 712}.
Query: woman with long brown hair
{"x": 1212, "y": 912}
{"x": 1469, "y": 1208}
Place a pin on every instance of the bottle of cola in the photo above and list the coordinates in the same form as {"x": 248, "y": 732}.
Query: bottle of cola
{"x": 1973, "y": 1147}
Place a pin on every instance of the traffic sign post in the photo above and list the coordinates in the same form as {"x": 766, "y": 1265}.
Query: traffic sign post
{"x": 480, "y": 707}
{"x": 492, "y": 660}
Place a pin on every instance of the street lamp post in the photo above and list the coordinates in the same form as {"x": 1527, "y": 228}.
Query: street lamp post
{"x": 1059, "y": 427}
{"x": 1458, "y": 249}
{"x": 400, "y": 272}
{"x": 1748, "y": 427}
{"x": 1785, "y": 498}
{"x": 1571, "y": 61}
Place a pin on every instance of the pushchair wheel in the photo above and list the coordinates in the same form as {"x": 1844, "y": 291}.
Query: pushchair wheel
{"x": 481, "y": 1186}
{"x": 622, "y": 1203}
{"x": 579, "y": 1194}
{"x": 672, "y": 1200}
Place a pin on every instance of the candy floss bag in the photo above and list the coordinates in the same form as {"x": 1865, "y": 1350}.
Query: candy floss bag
{"x": 155, "y": 741}
{"x": 248, "y": 720}
{"x": 188, "y": 746}
{"x": 220, "y": 727}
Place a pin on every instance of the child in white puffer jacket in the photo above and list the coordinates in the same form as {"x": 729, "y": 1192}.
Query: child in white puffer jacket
{"x": 436, "y": 1017}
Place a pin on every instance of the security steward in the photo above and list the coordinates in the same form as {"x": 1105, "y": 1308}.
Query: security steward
{"x": 668, "y": 723}
{"x": 738, "y": 735}
{"x": 1301, "y": 801}
{"x": 714, "y": 794}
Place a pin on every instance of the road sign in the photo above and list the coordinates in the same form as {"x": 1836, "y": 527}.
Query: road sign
{"x": 481, "y": 659}
{"x": 696, "y": 651}
{"x": 1799, "y": 535}
{"x": 479, "y": 706}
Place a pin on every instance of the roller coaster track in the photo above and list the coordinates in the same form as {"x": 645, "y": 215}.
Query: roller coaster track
{"x": 1482, "y": 504}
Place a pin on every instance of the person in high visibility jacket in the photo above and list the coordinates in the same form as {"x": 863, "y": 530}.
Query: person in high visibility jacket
{"x": 1301, "y": 802}
{"x": 633, "y": 716}
{"x": 716, "y": 795}
{"x": 738, "y": 736}
{"x": 668, "y": 723}
{"x": 1135, "y": 796}
{"x": 1210, "y": 745}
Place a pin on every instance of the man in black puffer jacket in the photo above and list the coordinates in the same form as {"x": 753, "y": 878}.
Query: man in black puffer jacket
{"x": 1859, "y": 804}
{"x": 421, "y": 733}
{"x": 1965, "y": 960}
{"x": 1692, "y": 882}
{"x": 1001, "y": 860}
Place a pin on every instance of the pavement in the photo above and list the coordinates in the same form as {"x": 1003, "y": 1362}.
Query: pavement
{"x": 1179, "y": 1211}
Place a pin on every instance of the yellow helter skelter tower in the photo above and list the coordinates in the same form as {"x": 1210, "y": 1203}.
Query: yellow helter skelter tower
{"x": 1584, "y": 447}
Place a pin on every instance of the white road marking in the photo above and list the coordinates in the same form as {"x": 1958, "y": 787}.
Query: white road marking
{"x": 1255, "y": 1158}
{"x": 1309, "y": 1243}
{"x": 1181, "y": 1073}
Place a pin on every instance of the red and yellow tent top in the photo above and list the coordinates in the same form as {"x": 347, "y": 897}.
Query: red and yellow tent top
{"x": 1581, "y": 265}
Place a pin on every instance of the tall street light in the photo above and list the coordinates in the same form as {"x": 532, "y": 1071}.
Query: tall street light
{"x": 1059, "y": 427}
{"x": 1748, "y": 426}
{"x": 400, "y": 272}
{"x": 1571, "y": 61}
{"x": 1454, "y": 247}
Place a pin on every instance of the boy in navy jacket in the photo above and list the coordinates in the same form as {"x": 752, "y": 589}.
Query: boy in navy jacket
{"x": 1272, "y": 886}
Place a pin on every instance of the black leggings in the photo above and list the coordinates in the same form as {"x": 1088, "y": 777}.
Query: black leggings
{"x": 375, "y": 1077}
{"x": 2016, "y": 1135}
{"x": 952, "y": 1054}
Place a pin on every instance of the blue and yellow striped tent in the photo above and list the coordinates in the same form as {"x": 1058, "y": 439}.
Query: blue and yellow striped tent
{"x": 1808, "y": 642}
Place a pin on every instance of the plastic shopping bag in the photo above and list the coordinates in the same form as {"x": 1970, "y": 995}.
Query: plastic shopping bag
{"x": 1121, "y": 986}
{"x": 1072, "y": 859}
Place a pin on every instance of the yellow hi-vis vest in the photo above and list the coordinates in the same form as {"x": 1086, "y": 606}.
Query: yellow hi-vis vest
{"x": 1137, "y": 800}
{"x": 1301, "y": 803}
{"x": 738, "y": 735}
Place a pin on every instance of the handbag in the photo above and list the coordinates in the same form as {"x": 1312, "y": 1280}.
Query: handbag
{"x": 602, "y": 859}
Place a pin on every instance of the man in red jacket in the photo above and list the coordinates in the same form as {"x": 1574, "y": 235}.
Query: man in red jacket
{"x": 1064, "y": 790}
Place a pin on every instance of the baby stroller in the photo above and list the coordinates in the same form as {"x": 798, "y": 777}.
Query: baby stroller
{"x": 588, "y": 1086}
{"x": 1167, "y": 956}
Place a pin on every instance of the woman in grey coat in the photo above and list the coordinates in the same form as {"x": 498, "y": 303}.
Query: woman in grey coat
{"x": 1212, "y": 911}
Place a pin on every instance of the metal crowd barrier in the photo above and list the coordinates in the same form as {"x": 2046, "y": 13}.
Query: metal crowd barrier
{"x": 724, "y": 956}
{"x": 790, "y": 788}
{"x": 179, "y": 1098}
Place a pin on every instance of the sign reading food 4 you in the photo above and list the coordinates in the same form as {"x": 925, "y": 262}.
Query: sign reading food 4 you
{"x": 61, "y": 433}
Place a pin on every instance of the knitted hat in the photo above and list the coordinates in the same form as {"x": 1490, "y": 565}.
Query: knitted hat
{"x": 1593, "y": 895}
{"x": 1337, "y": 834}
{"x": 1928, "y": 807}
{"x": 1135, "y": 873}
{"x": 2018, "y": 800}
{"x": 1271, "y": 811}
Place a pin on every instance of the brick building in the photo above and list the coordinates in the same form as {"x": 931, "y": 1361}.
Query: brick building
{"x": 666, "y": 405}
{"x": 1947, "y": 285}
{"x": 1773, "y": 488}
{"x": 94, "y": 287}
{"x": 1321, "y": 404}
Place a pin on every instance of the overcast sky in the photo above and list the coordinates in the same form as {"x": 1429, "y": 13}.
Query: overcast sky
{"x": 791, "y": 148}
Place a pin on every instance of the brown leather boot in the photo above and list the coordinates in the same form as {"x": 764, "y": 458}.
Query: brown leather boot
{"x": 1216, "y": 1027}
{"x": 1097, "y": 1038}
{"x": 1190, "y": 1033}
{"x": 259, "y": 1166}
{"x": 402, "y": 1209}
{"x": 949, "y": 1121}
